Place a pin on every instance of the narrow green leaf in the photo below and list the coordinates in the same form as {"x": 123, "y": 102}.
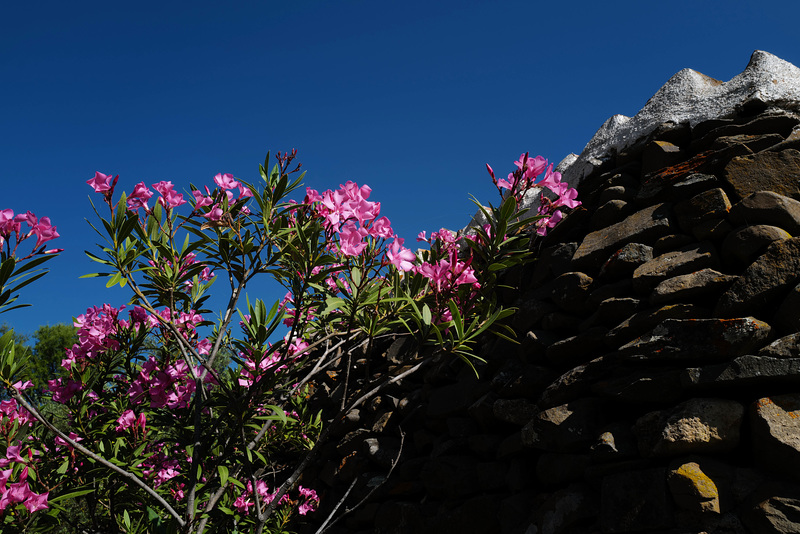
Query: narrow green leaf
{"x": 223, "y": 475}
{"x": 426, "y": 315}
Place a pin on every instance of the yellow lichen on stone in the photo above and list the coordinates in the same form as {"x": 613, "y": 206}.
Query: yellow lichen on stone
{"x": 692, "y": 489}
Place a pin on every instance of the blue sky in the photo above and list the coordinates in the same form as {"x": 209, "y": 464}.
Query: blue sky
{"x": 409, "y": 97}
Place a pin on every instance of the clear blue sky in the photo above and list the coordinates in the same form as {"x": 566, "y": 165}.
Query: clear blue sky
{"x": 409, "y": 97}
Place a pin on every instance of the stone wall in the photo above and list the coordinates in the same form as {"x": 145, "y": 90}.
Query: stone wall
{"x": 656, "y": 386}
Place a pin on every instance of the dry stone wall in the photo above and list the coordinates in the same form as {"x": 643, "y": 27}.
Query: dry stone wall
{"x": 656, "y": 386}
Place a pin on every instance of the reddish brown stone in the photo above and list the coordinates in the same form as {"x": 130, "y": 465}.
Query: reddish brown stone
{"x": 659, "y": 187}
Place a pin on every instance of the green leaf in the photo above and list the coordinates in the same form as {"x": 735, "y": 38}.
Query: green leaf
{"x": 458, "y": 322}
{"x": 115, "y": 279}
{"x": 63, "y": 467}
{"x": 223, "y": 475}
{"x": 426, "y": 315}
{"x": 6, "y": 268}
{"x": 71, "y": 495}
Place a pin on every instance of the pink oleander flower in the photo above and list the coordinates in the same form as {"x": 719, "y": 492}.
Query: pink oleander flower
{"x": 139, "y": 197}
{"x": 61, "y": 391}
{"x": 8, "y": 223}
{"x": 548, "y": 222}
{"x": 126, "y": 420}
{"x": 15, "y": 493}
{"x": 444, "y": 236}
{"x": 566, "y": 195}
{"x": 204, "y": 347}
{"x": 402, "y": 258}
{"x": 350, "y": 239}
{"x": 438, "y": 273}
{"x": 381, "y": 228}
{"x": 61, "y": 442}
{"x": 36, "y": 502}
{"x": 214, "y": 214}
{"x": 244, "y": 192}
{"x": 551, "y": 180}
{"x": 507, "y": 184}
{"x": 243, "y": 504}
{"x": 101, "y": 182}
{"x": 531, "y": 167}
{"x": 226, "y": 181}
{"x": 44, "y": 231}
{"x": 12, "y": 453}
{"x": 311, "y": 500}
{"x": 169, "y": 197}
{"x": 22, "y": 386}
{"x": 312, "y": 195}
{"x": 201, "y": 200}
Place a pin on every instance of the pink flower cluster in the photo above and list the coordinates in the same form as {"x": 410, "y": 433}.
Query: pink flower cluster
{"x": 226, "y": 182}
{"x": 11, "y": 224}
{"x": 167, "y": 385}
{"x": 527, "y": 176}
{"x": 164, "y": 465}
{"x": 307, "y": 501}
{"x": 255, "y": 366}
{"x": 348, "y": 214}
{"x": 20, "y": 491}
{"x": 17, "y": 461}
{"x": 170, "y": 387}
{"x": 169, "y": 198}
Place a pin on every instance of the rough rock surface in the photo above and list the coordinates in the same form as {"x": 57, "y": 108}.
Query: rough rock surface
{"x": 776, "y": 433}
{"x": 696, "y": 426}
{"x": 765, "y": 282}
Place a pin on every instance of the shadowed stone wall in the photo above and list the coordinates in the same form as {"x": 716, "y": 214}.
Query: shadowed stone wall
{"x": 656, "y": 386}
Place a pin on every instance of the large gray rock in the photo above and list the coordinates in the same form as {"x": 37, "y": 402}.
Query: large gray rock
{"x": 767, "y": 171}
{"x": 711, "y": 204}
{"x": 698, "y": 339}
{"x": 696, "y": 426}
{"x": 763, "y": 284}
{"x": 785, "y": 347}
{"x": 776, "y": 433}
{"x": 624, "y": 261}
{"x": 643, "y": 226}
{"x": 689, "y": 286}
{"x": 747, "y": 370}
{"x": 768, "y": 207}
{"x": 746, "y": 244}
{"x": 776, "y": 514}
{"x": 683, "y": 261}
